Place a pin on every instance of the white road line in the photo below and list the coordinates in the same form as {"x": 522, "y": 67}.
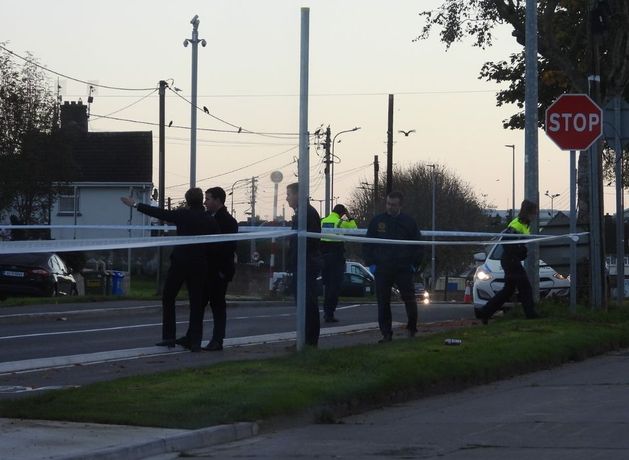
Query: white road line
{"x": 56, "y": 362}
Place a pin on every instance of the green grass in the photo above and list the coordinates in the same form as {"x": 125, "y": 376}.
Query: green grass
{"x": 327, "y": 380}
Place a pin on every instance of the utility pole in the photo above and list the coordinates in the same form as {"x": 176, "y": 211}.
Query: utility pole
{"x": 327, "y": 162}
{"x": 376, "y": 173}
{"x": 162, "y": 172}
{"x": 194, "y": 41}
{"x": 253, "y": 213}
{"x": 390, "y": 147}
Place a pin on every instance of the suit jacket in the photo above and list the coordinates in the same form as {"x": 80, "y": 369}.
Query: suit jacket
{"x": 193, "y": 221}
{"x": 222, "y": 260}
{"x": 313, "y": 254}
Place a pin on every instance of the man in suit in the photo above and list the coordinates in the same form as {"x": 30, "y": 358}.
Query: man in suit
{"x": 188, "y": 264}
{"x": 313, "y": 263}
{"x": 221, "y": 265}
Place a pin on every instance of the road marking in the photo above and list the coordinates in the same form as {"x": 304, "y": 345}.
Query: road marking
{"x": 56, "y": 362}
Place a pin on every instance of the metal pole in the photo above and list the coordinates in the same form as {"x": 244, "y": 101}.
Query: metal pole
{"x": 194, "y": 41}
{"x": 376, "y": 172}
{"x": 512, "y": 147}
{"x": 252, "y": 243}
{"x": 573, "y": 230}
{"x": 327, "y": 171}
{"x": 304, "y": 179}
{"x": 531, "y": 161}
{"x": 275, "y": 193}
{"x": 162, "y": 174}
{"x": 390, "y": 146}
{"x": 620, "y": 207}
{"x": 433, "y": 281}
{"x": 356, "y": 128}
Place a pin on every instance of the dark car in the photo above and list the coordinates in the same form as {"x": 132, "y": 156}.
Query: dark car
{"x": 37, "y": 274}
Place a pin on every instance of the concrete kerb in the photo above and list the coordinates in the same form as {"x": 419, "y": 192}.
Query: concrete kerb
{"x": 196, "y": 439}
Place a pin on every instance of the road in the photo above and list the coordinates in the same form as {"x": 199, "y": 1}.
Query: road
{"x": 73, "y": 344}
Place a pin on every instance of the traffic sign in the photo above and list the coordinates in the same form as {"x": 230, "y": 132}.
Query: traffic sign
{"x": 574, "y": 122}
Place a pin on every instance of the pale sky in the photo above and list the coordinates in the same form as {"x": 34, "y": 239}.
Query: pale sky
{"x": 360, "y": 51}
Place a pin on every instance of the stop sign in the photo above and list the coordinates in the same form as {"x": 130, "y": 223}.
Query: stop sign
{"x": 574, "y": 122}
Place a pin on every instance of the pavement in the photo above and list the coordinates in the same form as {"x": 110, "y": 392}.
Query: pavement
{"x": 577, "y": 411}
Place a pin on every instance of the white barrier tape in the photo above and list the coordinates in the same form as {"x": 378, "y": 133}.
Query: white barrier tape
{"x": 361, "y": 239}
{"x": 14, "y": 247}
{"x": 248, "y": 229}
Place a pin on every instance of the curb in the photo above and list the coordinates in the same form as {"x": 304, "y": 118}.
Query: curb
{"x": 196, "y": 439}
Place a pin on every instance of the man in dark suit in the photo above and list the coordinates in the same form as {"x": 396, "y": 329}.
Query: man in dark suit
{"x": 221, "y": 265}
{"x": 188, "y": 264}
{"x": 313, "y": 263}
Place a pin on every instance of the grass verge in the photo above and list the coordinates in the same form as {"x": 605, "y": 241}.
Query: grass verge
{"x": 327, "y": 380}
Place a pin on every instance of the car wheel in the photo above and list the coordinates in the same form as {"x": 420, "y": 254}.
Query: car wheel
{"x": 52, "y": 292}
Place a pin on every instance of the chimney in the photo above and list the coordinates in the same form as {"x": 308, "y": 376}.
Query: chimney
{"x": 74, "y": 116}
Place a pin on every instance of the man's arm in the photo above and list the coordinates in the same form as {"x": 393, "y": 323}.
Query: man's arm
{"x": 161, "y": 214}
{"x": 369, "y": 248}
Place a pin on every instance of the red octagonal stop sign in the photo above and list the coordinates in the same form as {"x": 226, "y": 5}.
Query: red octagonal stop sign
{"x": 574, "y": 122}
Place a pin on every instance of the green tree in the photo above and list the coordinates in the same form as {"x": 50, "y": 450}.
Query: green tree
{"x": 457, "y": 209}
{"x": 34, "y": 158}
{"x": 577, "y": 38}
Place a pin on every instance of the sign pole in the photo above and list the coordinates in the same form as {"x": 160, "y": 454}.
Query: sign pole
{"x": 620, "y": 206}
{"x": 573, "y": 230}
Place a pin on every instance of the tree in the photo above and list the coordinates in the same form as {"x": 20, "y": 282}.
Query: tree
{"x": 457, "y": 209}
{"x": 34, "y": 158}
{"x": 577, "y": 38}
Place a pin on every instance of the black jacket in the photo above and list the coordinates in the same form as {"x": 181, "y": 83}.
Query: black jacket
{"x": 193, "y": 221}
{"x": 313, "y": 254}
{"x": 223, "y": 259}
{"x": 400, "y": 227}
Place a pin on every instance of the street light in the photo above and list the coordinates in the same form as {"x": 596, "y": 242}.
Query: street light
{"x": 512, "y": 147}
{"x": 434, "y": 201}
{"x": 232, "y": 192}
{"x": 552, "y": 199}
{"x": 356, "y": 128}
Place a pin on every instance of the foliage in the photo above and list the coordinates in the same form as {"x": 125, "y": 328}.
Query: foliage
{"x": 457, "y": 209}
{"x": 34, "y": 159}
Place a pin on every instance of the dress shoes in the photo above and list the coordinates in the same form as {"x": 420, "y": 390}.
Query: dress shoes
{"x": 183, "y": 341}
{"x": 170, "y": 343}
{"x": 213, "y": 346}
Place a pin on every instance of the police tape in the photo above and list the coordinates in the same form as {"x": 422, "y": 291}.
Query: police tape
{"x": 96, "y": 244}
{"x": 362, "y": 239}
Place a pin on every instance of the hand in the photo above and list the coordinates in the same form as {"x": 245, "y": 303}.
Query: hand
{"x": 128, "y": 201}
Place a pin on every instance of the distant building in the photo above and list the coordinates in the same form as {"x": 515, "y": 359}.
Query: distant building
{"x": 108, "y": 165}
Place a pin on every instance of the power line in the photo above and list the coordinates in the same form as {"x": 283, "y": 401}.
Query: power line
{"x": 95, "y": 118}
{"x": 30, "y": 61}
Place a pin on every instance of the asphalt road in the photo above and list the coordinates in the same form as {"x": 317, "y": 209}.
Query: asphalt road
{"x": 124, "y": 334}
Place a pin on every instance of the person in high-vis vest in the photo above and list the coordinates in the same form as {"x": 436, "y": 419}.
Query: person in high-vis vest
{"x": 334, "y": 260}
{"x": 511, "y": 261}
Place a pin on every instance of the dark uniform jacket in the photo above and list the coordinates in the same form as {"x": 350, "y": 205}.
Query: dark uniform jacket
{"x": 223, "y": 259}
{"x": 513, "y": 254}
{"x": 313, "y": 246}
{"x": 193, "y": 221}
{"x": 400, "y": 227}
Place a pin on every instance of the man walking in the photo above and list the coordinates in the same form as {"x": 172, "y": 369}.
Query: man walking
{"x": 188, "y": 263}
{"x": 313, "y": 263}
{"x": 395, "y": 263}
{"x": 333, "y": 253}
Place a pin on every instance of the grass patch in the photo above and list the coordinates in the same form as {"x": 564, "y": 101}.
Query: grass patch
{"x": 327, "y": 380}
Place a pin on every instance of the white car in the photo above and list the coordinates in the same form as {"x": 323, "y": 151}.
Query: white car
{"x": 489, "y": 279}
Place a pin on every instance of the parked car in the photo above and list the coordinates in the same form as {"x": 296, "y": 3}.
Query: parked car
{"x": 489, "y": 279}
{"x": 37, "y": 274}
{"x": 421, "y": 294}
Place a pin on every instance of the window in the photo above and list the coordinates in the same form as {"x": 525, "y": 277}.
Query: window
{"x": 68, "y": 200}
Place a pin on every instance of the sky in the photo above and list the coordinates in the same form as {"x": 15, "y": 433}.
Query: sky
{"x": 248, "y": 75}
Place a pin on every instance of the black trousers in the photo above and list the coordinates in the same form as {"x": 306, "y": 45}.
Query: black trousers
{"x": 215, "y": 295}
{"x": 515, "y": 278}
{"x": 195, "y": 276}
{"x": 332, "y": 276}
{"x": 402, "y": 277}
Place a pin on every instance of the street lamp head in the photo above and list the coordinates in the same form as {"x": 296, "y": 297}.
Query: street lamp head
{"x": 186, "y": 42}
{"x": 195, "y": 20}
{"x": 511, "y": 146}
{"x": 203, "y": 43}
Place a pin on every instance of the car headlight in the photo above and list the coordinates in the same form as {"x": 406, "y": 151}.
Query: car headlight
{"x": 483, "y": 275}
{"x": 559, "y": 276}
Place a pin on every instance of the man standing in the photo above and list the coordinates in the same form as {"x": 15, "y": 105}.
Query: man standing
{"x": 333, "y": 260}
{"x": 313, "y": 263}
{"x": 395, "y": 264}
{"x": 188, "y": 263}
{"x": 221, "y": 265}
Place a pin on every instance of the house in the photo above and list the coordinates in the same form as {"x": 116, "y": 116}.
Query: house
{"x": 108, "y": 165}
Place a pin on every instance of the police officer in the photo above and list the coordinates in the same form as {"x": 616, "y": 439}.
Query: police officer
{"x": 511, "y": 261}
{"x": 333, "y": 253}
{"x": 394, "y": 264}
{"x": 188, "y": 263}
